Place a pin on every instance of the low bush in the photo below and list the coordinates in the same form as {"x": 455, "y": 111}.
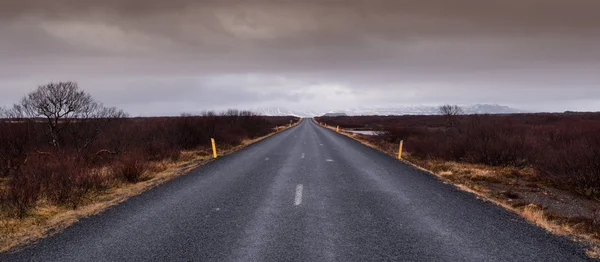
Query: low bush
{"x": 131, "y": 168}
{"x": 67, "y": 182}
{"x": 571, "y": 158}
{"x": 22, "y": 191}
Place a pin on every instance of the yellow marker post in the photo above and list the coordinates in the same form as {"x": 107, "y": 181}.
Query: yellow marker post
{"x": 400, "y": 149}
{"x": 337, "y": 129}
{"x": 214, "y": 147}
{"x": 276, "y": 128}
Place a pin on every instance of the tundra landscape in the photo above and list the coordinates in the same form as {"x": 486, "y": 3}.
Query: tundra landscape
{"x": 312, "y": 130}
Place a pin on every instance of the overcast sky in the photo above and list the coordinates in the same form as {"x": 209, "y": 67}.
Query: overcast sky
{"x": 165, "y": 57}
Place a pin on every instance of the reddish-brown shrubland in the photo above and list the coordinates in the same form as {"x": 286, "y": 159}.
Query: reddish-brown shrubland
{"x": 33, "y": 169}
{"x": 562, "y": 148}
{"x": 59, "y": 153}
{"x": 22, "y": 191}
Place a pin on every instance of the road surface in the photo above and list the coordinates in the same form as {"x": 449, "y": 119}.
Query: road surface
{"x": 305, "y": 194}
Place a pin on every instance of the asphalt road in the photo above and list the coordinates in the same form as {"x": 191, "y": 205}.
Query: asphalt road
{"x": 305, "y": 194}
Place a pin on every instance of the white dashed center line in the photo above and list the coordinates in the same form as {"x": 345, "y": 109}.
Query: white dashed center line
{"x": 302, "y": 156}
{"x": 298, "y": 199}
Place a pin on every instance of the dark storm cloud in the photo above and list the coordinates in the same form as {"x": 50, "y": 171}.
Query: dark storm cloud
{"x": 313, "y": 53}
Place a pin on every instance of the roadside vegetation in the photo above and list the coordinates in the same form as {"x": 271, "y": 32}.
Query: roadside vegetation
{"x": 62, "y": 150}
{"x": 549, "y": 163}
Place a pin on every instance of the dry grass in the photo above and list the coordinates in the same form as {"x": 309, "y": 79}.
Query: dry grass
{"x": 536, "y": 215}
{"x": 47, "y": 219}
{"x": 593, "y": 252}
{"x": 516, "y": 189}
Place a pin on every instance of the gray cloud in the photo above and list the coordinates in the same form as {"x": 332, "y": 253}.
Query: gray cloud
{"x": 167, "y": 57}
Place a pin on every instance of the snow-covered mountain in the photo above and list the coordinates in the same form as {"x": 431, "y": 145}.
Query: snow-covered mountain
{"x": 398, "y": 110}
{"x": 275, "y": 111}
{"x": 491, "y": 109}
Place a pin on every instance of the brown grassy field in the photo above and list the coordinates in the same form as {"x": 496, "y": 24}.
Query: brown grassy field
{"x": 543, "y": 166}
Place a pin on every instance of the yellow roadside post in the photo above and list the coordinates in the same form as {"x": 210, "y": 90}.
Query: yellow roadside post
{"x": 276, "y": 128}
{"x": 214, "y": 147}
{"x": 337, "y": 129}
{"x": 400, "y": 149}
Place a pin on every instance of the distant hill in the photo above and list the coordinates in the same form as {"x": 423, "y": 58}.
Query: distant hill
{"x": 275, "y": 111}
{"x": 398, "y": 110}
{"x": 335, "y": 114}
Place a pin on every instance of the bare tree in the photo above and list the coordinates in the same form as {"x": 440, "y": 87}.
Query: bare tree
{"x": 89, "y": 127}
{"x": 9, "y": 114}
{"x": 451, "y": 113}
{"x": 63, "y": 106}
{"x": 232, "y": 112}
{"x": 450, "y": 110}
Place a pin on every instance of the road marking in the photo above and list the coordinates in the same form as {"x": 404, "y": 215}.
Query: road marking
{"x": 302, "y": 156}
{"x": 321, "y": 144}
{"x": 329, "y": 160}
{"x": 298, "y": 199}
{"x": 266, "y": 159}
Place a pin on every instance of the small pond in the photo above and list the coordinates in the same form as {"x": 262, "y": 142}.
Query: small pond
{"x": 364, "y": 132}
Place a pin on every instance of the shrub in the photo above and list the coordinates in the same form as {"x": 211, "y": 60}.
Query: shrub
{"x": 158, "y": 150}
{"x": 131, "y": 168}
{"x": 495, "y": 142}
{"x": 22, "y": 191}
{"x": 574, "y": 162}
{"x": 67, "y": 181}
{"x": 16, "y": 140}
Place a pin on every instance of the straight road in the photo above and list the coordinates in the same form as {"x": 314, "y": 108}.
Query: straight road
{"x": 305, "y": 194}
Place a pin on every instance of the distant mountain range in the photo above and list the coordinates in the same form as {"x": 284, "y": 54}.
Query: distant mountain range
{"x": 399, "y": 110}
